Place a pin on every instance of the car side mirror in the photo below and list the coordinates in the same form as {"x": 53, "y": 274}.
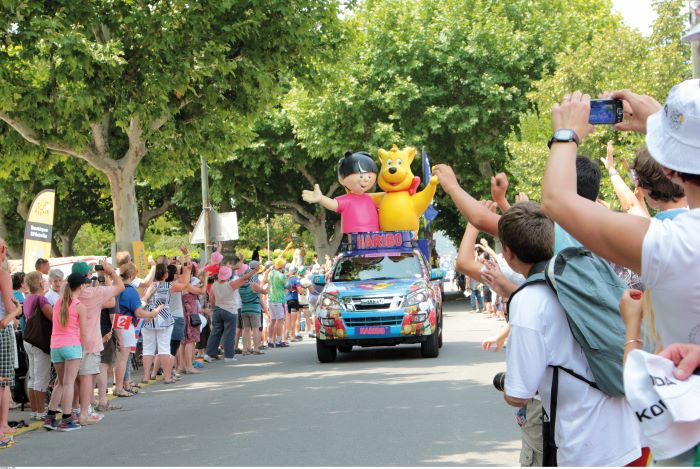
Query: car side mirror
{"x": 437, "y": 274}
{"x": 319, "y": 280}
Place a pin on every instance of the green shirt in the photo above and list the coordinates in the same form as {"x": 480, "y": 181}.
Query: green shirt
{"x": 277, "y": 286}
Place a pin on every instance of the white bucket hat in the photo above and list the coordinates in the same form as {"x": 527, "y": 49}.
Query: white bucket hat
{"x": 693, "y": 34}
{"x": 668, "y": 409}
{"x": 673, "y": 133}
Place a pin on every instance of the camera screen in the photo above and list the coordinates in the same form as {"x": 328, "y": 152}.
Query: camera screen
{"x": 602, "y": 112}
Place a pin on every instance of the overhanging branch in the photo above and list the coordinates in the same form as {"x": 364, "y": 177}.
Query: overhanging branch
{"x": 297, "y": 208}
{"x": 30, "y": 135}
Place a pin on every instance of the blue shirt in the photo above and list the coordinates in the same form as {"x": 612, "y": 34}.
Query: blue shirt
{"x": 292, "y": 289}
{"x": 129, "y": 301}
{"x": 668, "y": 214}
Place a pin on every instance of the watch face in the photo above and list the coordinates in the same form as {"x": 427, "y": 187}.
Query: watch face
{"x": 564, "y": 134}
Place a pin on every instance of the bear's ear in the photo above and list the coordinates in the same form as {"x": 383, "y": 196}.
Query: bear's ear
{"x": 410, "y": 153}
{"x": 383, "y": 155}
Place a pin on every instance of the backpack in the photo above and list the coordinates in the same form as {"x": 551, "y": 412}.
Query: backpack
{"x": 589, "y": 291}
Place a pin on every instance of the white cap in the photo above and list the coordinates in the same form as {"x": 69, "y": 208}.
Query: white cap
{"x": 693, "y": 34}
{"x": 673, "y": 133}
{"x": 667, "y": 408}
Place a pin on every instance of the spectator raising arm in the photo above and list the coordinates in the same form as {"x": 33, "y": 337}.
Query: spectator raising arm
{"x": 628, "y": 200}
{"x": 499, "y": 187}
{"x": 466, "y": 263}
{"x": 615, "y": 236}
{"x": 478, "y": 215}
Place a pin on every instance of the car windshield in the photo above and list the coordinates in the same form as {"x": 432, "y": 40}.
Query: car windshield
{"x": 377, "y": 268}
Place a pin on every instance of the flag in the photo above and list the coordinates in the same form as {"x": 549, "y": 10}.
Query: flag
{"x": 38, "y": 229}
{"x": 431, "y": 212}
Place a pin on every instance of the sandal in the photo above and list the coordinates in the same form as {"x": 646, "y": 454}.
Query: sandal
{"x": 121, "y": 393}
{"x": 107, "y": 407}
{"x": 132, "y": 389}
{"x": 258, "y": 353}
{"x": 6, "y": 442}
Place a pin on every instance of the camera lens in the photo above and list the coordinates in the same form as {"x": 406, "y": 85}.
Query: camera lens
{"x": 499, "y": 381}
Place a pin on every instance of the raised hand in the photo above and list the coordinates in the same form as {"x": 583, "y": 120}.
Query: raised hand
{"x": 312, "y": 197}
{"x": 637, "y": 107}
{"x": 521, "y": 197}
{"x": 499, "y": 186}
{"x": 609, "y": 161}
{"x": 572, "y": 113}
{"x": 446, "y": 177}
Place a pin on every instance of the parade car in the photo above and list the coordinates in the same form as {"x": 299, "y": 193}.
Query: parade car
{"x": 380, "y": 291}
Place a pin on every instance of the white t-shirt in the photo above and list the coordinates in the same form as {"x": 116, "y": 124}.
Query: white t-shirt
{"x": 671, "y": 272}
{"x": 51, "y": 296}
{"x": 592, "y": 429}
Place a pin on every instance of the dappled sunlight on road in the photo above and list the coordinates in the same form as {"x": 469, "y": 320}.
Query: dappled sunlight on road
{"x": 499, "y": 452}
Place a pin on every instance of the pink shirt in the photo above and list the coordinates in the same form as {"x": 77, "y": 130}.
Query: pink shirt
{"x": 358, "y": 213}
{"x": 93, "y": 298}
{"x": 70, "y": 334}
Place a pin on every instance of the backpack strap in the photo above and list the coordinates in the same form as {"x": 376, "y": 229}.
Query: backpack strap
{"x": 549, "y": 445}
{"x": 536, "y": 275}
{"x": 577, "y": 376}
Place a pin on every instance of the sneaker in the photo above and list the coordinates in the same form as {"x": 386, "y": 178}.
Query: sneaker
{"x": 50, "y": 423}
{"x": 270, "y": 345}
{"x": 281, "y": 344}
{"x": 69, "y": 425}
{"x": 234, "y": 359}
{"x": 312, "y": 335}
{"x": 92, "y": 413}
{"x": 196, "y": 364}
{"x": 208, "y": 359}
{"x": 91, "y": 419}
{"x": 38, "y": 416}
{"x": 239, "y": 351}
{"x": 300, "y": 337}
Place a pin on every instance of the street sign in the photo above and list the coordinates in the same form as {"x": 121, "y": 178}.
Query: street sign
{"x": 224, "y": 227}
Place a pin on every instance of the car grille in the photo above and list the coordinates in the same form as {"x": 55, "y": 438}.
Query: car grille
{"x": 373, "y": 321}
{"x": 373, "y": 303}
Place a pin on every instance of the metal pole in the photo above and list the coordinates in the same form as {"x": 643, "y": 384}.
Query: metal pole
{"x": 206, "y": 210}
{"x": 267, "y": 224}
{"x": 695, "y": 45}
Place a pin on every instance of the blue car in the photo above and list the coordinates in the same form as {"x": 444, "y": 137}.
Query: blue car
{"x": 382, "y": 293}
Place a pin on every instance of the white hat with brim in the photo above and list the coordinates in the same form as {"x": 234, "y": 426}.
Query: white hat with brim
{"x": 666, "y": 408}
{"x": 673, "y": 133}
{"x": 693, "y": 34}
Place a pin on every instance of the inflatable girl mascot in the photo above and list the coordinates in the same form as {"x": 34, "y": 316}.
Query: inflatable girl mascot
{"x": 357, "y": 172}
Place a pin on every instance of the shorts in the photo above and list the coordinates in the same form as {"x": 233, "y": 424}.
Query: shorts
{"x": 531, "y": 435}
{"x": 178, "y": 329}
{"x": 7, "y": 356}
{"x": 127, "y": 337}
{"x": 90, "y": 364}
{"x": 156, "y": 341}
{"x": 250, "y": 320}
{"x": 69, "y": 352}
{"x": 293, "y": 305}
{"x": 109, "y": 355}
{"x": 486, "y": 295}
{"x": 39, "y": 372}
{"x": 277, "y": 311}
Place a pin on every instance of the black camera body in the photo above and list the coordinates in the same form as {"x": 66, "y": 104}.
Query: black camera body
{"x": 499, "y": 381}
{"x": 99, "y": 267}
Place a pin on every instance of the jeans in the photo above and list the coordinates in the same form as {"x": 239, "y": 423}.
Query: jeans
{"x": 223, "y": 324}
{"x": 475, "y": 299}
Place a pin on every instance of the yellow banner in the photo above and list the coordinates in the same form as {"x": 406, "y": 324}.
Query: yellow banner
{"x": 140, "y": 260}
{"x": 39, "y": 229}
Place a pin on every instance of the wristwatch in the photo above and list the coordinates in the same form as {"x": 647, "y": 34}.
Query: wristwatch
{"x": 563, "y": 135}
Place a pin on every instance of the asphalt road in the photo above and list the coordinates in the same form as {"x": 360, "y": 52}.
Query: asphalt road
{"x": 372, "y": 407}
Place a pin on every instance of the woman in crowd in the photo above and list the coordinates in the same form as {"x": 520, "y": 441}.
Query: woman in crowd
{"x": 10, "y": 309}
{"x": 226, "y": 302}
{"x": 250, "y": 311}
{"x": 39, "y": 372}
{"x": 177, "y": 309}
{"x": 157, "y": 331}
{"x": 190, "y": 298}
{"x": 69, "y": 332}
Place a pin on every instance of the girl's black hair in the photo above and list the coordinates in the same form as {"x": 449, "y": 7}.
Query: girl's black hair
{"x": 172, "y": 270}
{"x": 356, "y": 162}
{"x": 161, "y": 272}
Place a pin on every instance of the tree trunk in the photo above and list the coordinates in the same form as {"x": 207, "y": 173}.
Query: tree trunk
{"x": 122, "y": 183}
{"x": 322, "y": 243}
{"x": 68, "y": 238}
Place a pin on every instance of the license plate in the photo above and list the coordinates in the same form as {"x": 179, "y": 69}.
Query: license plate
{"x": 372, "y": 330}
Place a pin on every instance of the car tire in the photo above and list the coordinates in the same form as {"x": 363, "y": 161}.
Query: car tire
{"x": 325, "y": 353}
{"x": 431, "y": 348}
{"x": 440, "y": 332}
{"x": 345, "y": 348}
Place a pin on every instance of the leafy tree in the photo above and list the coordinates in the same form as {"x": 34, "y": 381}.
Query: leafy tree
{"x": 142, "y": 88}
{"x": 621, "y": 59}
{"x": 451, "y": 75}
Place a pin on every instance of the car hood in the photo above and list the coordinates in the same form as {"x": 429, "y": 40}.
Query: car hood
{"x": 400, "y": 286}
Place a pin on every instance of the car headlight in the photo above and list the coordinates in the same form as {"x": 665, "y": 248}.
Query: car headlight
{"x": 415, "y": 298}
{"x": 330, "y": 302}
{"x": 419, "y": 318}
